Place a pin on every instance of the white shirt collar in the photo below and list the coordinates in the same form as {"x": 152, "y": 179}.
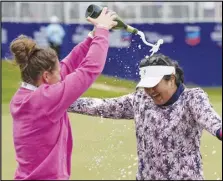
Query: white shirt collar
{"x": 28, "y": 86}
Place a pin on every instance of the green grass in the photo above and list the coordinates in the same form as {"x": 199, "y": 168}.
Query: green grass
{"x": 117, "y": 82}
{"x": 103, "y": 148}
{"x": 11, "y": 81}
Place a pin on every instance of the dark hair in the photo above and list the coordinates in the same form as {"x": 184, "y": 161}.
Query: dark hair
{"x": 32, "y": 60}
{"x": 160, "y": 59}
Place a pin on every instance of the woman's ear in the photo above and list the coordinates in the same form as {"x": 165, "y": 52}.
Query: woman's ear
{"x": 173, "y": 80}
{"x": 173, "y": 77}
{"x": 46, "y": 77}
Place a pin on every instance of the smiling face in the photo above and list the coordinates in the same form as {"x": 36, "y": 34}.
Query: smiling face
{"x": 163, "y": 91}
{"x": 160, "y": 77}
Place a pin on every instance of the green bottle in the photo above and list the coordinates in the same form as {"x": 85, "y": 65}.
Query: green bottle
{"x": 94, "y": 11}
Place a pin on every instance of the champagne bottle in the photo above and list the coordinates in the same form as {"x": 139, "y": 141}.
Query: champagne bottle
{"x": 94, "y": 11}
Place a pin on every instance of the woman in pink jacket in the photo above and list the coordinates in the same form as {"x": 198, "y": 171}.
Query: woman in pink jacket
{"x": 41, "y": 127}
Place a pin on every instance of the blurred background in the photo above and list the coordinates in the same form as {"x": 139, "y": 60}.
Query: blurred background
{"x": 131, "y": 12}
{"x": 105, "y": 148}
{"x": 192, "y": 33}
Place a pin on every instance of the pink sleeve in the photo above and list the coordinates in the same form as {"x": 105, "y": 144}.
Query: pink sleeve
{"x": 74, "y": 58}
{"x": 55, "y": 99}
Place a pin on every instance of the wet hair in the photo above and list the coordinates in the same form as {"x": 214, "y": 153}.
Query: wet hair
{"x": 160, "y": 59}
{"x": 31, "y": 59}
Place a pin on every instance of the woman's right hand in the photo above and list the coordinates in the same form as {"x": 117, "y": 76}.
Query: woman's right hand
{"x": 105, "y": 19}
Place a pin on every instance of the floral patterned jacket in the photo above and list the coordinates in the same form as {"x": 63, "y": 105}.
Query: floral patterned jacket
{"x": 168, "y": 137}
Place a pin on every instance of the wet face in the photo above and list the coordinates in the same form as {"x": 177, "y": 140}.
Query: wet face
{"x": 163, "y": 91}
{"x": 52, "y": 77}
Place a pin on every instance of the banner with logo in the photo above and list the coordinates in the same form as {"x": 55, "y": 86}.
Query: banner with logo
{"x": 197, "y": 47}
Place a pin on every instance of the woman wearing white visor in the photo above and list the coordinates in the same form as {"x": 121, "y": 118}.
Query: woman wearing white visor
{"x": 169, "y": 119}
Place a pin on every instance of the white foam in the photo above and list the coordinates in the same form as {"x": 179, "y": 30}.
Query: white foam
{"x": 155, "y": 48}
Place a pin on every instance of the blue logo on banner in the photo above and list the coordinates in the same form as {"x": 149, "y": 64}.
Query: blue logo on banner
{"x": 192, "y": 35}
{"x": 216, "y": 35}
{"x": 126, "y": 36}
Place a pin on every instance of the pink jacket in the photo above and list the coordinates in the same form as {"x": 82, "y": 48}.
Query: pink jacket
{"x": 41, "y": 127}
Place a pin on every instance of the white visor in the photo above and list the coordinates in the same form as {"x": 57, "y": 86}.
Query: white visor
{"x": 152, "y": 75}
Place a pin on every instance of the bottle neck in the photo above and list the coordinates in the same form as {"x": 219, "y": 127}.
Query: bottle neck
{"x": 131, "y": 29}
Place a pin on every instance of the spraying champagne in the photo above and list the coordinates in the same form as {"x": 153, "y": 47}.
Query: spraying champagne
{"x": 94, "y": 11}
